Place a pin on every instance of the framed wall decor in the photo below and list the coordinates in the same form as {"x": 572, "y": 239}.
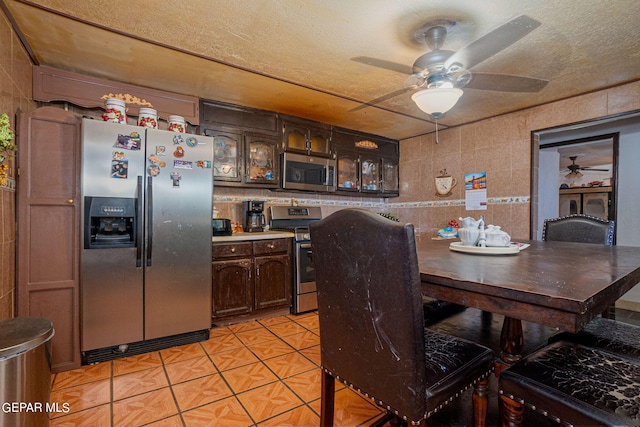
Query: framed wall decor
{"x": 444, "y": 184}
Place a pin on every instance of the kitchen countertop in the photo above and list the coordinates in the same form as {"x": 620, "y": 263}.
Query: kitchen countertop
{"x": 595, "y": 189}
{"x": 237, "y": 237}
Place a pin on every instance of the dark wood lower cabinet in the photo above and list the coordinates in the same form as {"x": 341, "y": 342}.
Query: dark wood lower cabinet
{"x": 272, "y": 281}
{"x": 232, "y": 287}
{"x": 251, "y": 276}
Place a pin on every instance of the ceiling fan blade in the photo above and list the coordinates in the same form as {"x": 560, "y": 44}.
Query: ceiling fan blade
{"x": 506, "y": 83}
{"x": 381, "y": 63}
{"x": 495, "y": 41}
{"x": 587, "y": 168}
{"x": 380, "y": 99}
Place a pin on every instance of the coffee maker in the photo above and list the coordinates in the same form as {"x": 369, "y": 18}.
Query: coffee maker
{"x": 252, "y": 216}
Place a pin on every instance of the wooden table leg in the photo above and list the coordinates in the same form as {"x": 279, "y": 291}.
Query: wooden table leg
{"x": 511, "y": 340}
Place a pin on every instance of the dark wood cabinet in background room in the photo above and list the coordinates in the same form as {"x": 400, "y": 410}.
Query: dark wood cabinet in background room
{"x": 593, "y": 201}
{"x": 249, "y": 276}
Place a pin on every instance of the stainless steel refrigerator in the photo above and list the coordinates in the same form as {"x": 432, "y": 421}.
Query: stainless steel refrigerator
{"x": 146, "y": 249}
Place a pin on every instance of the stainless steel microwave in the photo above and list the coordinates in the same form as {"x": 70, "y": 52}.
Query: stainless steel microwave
{"x": 309, "y": 173}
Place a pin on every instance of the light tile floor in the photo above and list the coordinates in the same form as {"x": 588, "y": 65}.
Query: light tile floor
{"x": 258, "y": 373}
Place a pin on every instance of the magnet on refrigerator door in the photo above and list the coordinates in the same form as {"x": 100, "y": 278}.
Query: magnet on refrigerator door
{"x": 119, "y": 166}
{"x": 182, "y": 164}
{"x": 205, "y": 164}
{"x": 119, "y": 169}
{"x": 175, "y": 178}
{"x": 129, "y": 142}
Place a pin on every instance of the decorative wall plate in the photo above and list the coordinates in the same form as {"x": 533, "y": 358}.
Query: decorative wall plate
{"x": 444, "y": 183}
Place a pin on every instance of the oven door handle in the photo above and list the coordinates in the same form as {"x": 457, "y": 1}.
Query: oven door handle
{"x": 305, "y": 245}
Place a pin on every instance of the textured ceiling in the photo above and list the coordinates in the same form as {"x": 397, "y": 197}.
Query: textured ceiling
{"x": 296, "y": 56}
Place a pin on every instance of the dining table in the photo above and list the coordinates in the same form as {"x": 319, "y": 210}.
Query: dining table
{"x": 561, "y": 285}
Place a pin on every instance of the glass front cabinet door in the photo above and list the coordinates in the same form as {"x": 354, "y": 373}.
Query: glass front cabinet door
{"x": 226, "y": 155}
{"x": 262, "y": 161}
{"x": 390, "y": 176}
{"x": 370, "y": 174}
{"x": 295, "y": 138}
{"x": 306, "y": 137}
{"x": 348, "y": 178}
{"x": 319, "y": 139}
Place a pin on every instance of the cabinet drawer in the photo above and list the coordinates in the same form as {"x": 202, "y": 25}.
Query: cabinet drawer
{"x": 229, "y": 250}
{"x": 267, "y": 247}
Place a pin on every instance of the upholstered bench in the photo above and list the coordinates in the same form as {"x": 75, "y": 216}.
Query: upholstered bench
{"x": 573, "y": 385}
{"x": 606, "y": 334}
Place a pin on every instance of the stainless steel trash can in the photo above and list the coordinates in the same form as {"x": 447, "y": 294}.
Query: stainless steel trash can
{"x": 25, "y": 371}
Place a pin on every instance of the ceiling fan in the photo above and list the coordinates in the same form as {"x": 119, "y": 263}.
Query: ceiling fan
{"x": 438, "y": 69}
{"x": 573, "y": 168}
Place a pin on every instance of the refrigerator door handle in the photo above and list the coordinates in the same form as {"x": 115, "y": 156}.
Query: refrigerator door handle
{"x": 149, "y": 220}
{"x": 139, "y": 223}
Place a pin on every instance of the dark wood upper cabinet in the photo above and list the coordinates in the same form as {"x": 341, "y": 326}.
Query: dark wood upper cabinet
{"x": 234, "y": 116}
{"x": 306, "y": 137}
{"x": 367, "y": 164}
{"x": 246, "y": 148}
{"x": 248, "y": 144}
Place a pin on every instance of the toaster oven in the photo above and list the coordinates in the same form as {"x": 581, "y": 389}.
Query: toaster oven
{"x": 221, "y": 227}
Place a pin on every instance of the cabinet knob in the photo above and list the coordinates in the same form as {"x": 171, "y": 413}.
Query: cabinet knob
{"x": 233, "y": 250}
{"x": 271, "y": 246}
{"x": 70, "y": 201}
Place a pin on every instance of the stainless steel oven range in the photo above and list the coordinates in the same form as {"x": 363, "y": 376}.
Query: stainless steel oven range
{"x": 297, "y": 219}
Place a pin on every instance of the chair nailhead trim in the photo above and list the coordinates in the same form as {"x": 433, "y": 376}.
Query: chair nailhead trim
{"x": 404, "y": 417}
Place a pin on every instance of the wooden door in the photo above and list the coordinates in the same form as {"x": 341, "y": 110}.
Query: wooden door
{"x": 48, "y": 223}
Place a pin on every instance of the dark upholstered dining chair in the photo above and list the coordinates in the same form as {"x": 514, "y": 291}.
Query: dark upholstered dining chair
{"x": 572, "y": 385}
{"x": 588, "y": 378}
{"x": 372, "y": 336}
{"x": 579, "y": 228}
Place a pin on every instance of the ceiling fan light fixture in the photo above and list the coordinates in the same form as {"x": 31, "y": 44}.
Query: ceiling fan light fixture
{"x": 437, "y": 101}
{"x": 573, "y": 175}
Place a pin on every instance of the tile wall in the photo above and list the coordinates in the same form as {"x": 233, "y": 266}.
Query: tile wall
{"x": 15, "y": 95}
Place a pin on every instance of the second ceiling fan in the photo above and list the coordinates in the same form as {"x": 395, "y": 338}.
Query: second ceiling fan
{"x": 445, "y": 69}
{"x": 573, "y": 168}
